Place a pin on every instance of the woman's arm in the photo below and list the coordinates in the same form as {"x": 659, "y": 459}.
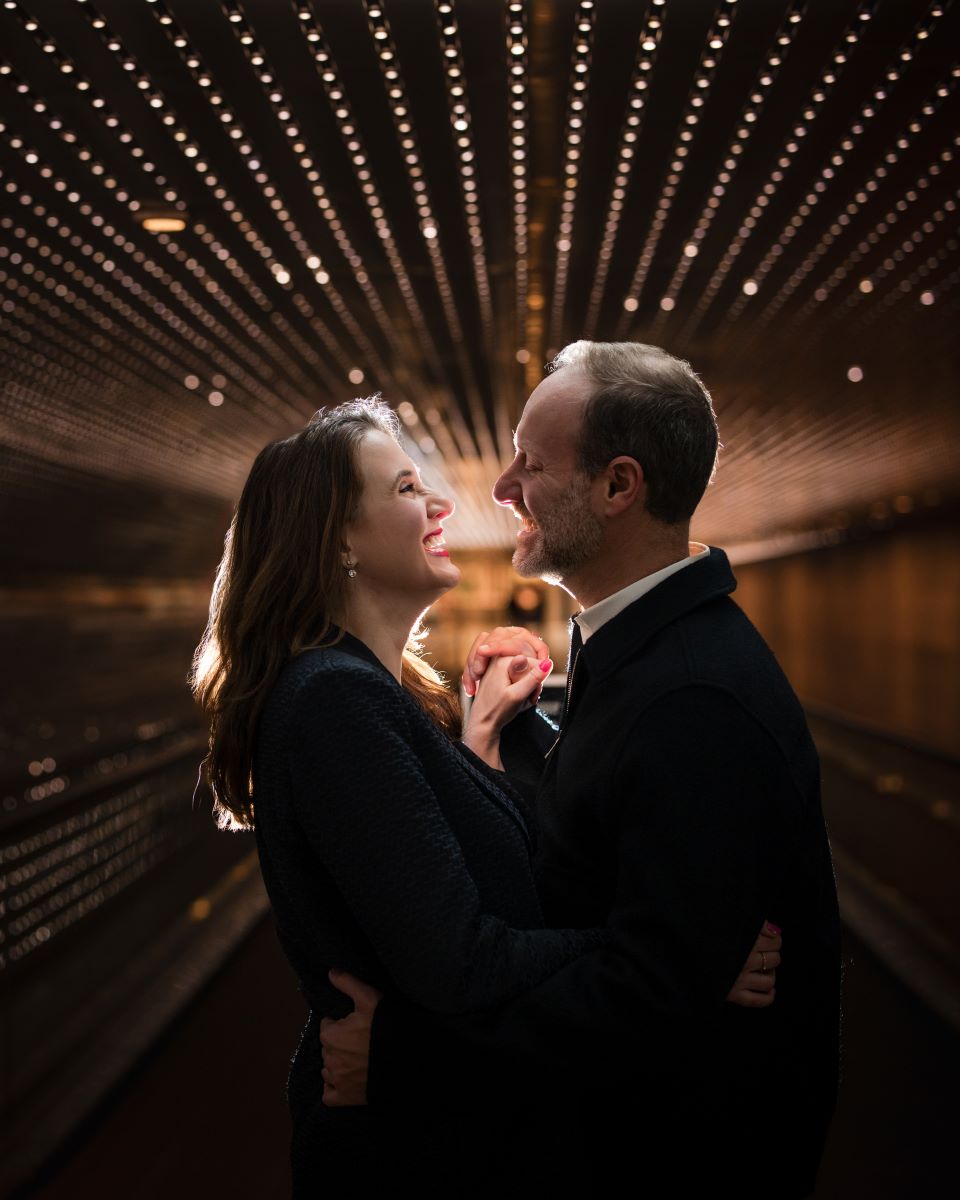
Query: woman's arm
{"x": 365, "y": 804}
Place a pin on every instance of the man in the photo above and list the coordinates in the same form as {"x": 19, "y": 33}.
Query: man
{"x": 679, "y": 806}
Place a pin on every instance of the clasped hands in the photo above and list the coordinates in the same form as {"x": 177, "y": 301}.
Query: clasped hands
{"x": 505, "y": 672}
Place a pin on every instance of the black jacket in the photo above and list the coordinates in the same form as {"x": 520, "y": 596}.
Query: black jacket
{"x": 680, "y": 805}
{"x": 391, "y": 852}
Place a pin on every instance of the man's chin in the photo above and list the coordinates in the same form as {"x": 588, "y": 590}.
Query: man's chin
{"x": 531, "y": 565}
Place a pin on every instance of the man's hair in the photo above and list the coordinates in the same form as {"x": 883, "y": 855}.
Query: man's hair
{"x": 652, "y": 407}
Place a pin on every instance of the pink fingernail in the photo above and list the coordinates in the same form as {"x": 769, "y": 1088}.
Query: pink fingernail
{"x": 773, "y": 928}
{"x": 545, "y": 665}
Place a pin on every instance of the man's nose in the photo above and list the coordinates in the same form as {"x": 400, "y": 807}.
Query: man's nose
{"x": 506, "y": 490}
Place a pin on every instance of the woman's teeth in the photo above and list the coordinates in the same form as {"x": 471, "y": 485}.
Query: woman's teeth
{"x": 434, "y": 542}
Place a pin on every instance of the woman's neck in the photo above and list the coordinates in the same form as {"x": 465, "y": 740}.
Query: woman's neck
{"x": 377, "y": 623}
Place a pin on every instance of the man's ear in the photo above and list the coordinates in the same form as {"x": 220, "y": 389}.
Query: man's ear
{"x": 624, "y": 485}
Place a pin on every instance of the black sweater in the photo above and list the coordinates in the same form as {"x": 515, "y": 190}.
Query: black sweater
{"x": 396, "y": 854}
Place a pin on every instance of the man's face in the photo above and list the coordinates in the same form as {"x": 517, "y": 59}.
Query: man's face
{"x": 544, "y": 485}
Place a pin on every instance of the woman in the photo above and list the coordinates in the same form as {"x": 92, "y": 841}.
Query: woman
{"x": 387, "y": 847}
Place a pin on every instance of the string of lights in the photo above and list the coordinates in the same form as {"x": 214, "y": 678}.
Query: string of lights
{"x": 253, "y": 162}
{"x": 811, "y": 109}
{"x": 387, "y": 59}
{"x": 840, "y": 227}
{"x": 206, "y": 349}
{"x": 627, "y": 159}
{"x": 109, "y": 119}
{"x": 699, "y": 94}
{"x": 902, "y": 255}
{"x": 462, "y": 131}
{"x": 747, "y": 123}
{"x": 572, "y": 152}
{"x": 868, "y": 113}
{"x": 517, "y": 58}
{"x": 348, "y": 126}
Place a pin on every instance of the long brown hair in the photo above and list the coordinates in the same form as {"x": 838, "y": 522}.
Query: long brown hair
{"x": 280, "y": 580}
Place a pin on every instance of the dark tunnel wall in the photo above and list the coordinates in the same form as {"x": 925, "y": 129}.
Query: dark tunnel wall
{"x": 869, "y": 631}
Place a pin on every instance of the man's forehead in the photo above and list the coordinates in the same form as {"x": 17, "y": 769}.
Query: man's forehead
{"x": 552, "y": 415}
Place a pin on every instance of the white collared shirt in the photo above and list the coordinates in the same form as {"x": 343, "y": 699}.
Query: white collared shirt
{"x": 591, "y": 619}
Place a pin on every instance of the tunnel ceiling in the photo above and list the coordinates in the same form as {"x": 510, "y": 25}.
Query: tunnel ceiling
{"x": 429, "y": 199}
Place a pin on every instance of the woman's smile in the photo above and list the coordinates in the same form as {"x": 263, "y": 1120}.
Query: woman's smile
{"x": 433, "y": 543}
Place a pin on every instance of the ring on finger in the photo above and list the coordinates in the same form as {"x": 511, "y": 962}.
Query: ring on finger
{"x": 764, "y": 969}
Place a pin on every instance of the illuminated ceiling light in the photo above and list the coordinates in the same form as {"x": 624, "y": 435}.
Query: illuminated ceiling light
{"x": 216, "y": 399}
{"x": 191, "y": 382}
{"x": 631, "y": 304}
{"x": 750, "y": 287}
{"x": 667, "y": 304}
{"x": 356, "y": 375}
{"x": 866, "y": 286}
{"x": 927, "y": 298}
{"x": 523, "y": 357}
{"x": 162, "y": 220}
{"x": 855, "y": 374}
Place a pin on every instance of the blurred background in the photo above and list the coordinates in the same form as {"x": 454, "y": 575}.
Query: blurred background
{"x": 217, "y": 216}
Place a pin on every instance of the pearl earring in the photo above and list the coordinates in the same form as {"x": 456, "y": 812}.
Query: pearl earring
{"x": 351, "y": 570}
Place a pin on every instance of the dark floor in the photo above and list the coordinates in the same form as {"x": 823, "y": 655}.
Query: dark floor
{"x": 204, "y": 1116}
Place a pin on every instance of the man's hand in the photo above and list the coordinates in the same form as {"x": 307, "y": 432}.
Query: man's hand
{"x": 505, "y": 639}
{"x": 756, "y": 984}
{"x": 346, "y": 1043}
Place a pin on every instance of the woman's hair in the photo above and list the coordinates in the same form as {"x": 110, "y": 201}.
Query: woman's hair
{"x": 280, "y": 583}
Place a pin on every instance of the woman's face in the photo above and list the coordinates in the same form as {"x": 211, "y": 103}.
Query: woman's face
{"x": 396, "y": 540}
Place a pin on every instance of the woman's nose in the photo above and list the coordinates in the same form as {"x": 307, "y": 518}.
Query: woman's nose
{"x": 441, "y": 506}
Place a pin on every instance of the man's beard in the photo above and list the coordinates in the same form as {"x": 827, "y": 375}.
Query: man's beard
{"x": 569, "y": 537}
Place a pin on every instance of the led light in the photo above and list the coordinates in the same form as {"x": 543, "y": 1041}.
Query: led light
{"x": 163, "y": 224}
{"x": 855, "y": 374}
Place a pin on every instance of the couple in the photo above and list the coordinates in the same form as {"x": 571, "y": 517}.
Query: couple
{"x": 573, "y": 987}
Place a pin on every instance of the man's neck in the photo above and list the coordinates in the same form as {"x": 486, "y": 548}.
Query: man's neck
{"x": 619, "y": 566}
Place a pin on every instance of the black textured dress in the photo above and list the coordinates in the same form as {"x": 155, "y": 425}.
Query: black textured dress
{"x": 396, "y": 854}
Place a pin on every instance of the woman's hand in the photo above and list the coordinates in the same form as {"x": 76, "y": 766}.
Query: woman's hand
{"x": 505, "y": 639}
{"x": 756, "y": 984}
{"x": 510, "y": 683}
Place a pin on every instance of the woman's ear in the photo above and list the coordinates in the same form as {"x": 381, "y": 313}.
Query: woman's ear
{"x": 624, "y": 484}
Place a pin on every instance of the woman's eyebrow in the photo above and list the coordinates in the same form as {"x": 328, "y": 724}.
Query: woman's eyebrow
{"x": 404, "y": 473}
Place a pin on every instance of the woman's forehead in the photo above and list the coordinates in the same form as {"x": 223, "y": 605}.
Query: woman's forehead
{"x": 381, "y": 459}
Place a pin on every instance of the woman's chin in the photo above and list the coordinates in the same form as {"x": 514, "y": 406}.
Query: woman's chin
{"x": 451, "y": 574}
